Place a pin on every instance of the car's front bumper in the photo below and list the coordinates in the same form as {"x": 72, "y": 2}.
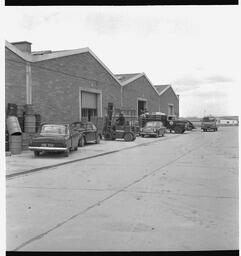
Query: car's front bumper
{"x": 208, "y": 127}
{"x": 147, "y": 133}
{"x": 47, "y": 148}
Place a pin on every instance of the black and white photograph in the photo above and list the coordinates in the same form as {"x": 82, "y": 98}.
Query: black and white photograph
{"x": 120, "y": 128}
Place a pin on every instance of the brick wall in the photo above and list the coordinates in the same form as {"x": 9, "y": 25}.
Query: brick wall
{"x": 56, "y": 82}
{"x": 140, "y": 88}
{"x": 168, "y": 97}
{"x": 15, "y": 79}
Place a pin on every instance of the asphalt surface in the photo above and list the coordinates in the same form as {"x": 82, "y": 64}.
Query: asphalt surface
{"x": 179, "y": 193}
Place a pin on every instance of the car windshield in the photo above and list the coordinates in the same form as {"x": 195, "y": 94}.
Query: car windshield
{"x": 208, "y": 119}
{"x": 79, "y": 125}
{"x": 50, "y": 129}
{"x": 154, "y": 124}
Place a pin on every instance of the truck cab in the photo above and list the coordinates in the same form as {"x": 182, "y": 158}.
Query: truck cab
{"x": 209, "y": 123}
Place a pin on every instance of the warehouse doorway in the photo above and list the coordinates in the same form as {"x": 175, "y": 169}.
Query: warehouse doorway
{"x": 170, "y": 109}
{"x": 90, "y": 104}
{"x": 141, "y": 106}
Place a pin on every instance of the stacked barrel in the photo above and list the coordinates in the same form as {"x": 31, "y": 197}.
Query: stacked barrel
{"x": 14, "y": 134}
{"x": 22, "y": 124}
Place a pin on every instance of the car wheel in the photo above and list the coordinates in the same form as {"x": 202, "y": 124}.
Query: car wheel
{"x": 142, "y": 135}
{"x": 128, "y": 136}
{"x": 36, "y": 153}
{"x": 81, "y": 142}
{"x": 66, "y": 153}
{"x": 76, "y": 148}
{"x": 97, "y": 139}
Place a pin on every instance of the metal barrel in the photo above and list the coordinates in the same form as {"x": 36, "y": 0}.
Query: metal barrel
{"x": 21, "y": 122}
{"x": 15, "y": 144}
{"x": 25, "y": 141}
{"x": 13, "y": 126}
{"x": 20, "y": 110}
{"x": 29, "y": 123}
{"x": 38, "y": 121}
{"x": 12, "y": 109}
{"x": 6, "y": 141}
{"x": 29, "y": 109}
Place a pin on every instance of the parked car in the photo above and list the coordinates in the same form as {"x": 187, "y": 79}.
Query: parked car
{"x": 190, "y": 125}
{"x": 153, "y": 128}
{"x": 55, "y": 138}
{"x": 209, "y": 123}
{"x": 178, "y": 126}
{"x": 87, "y": 131}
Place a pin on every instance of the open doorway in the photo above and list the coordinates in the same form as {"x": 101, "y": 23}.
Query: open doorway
{"x": 141, "y": 106}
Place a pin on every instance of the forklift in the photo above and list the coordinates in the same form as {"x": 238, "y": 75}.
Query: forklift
{"x": 117, "y": 128}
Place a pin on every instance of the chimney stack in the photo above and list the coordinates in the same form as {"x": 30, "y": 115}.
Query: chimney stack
{"x": 23, "y": 46}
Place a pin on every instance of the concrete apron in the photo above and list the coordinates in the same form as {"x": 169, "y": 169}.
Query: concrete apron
{"x": 26, "y": 162}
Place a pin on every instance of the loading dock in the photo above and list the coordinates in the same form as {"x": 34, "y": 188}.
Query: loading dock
{"x": 90, "y": 104}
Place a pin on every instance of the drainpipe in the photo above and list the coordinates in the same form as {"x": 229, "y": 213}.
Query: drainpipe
{"x": 28, "y": 84}
{"x": 121, "y": 96}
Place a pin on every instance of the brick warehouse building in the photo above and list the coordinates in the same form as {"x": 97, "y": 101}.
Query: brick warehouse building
{"x": 168, "y": 100}
{"x": 65, "y": 86}
{"x": 138, "y": 92}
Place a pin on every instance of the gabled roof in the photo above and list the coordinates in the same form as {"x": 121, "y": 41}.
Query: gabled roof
{"x": 126, "y": 77}
{"x": 56, "y": 54}
{"x": 162, "y": 88}
{"x": 121, "y": 79}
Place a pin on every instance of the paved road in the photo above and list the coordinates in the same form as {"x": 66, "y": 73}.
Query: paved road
{"x": 174, "y": 194}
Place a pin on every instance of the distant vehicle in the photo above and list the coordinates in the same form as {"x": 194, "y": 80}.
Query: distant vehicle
{"x": 55, "y": 138}
{"x": 209, "y": 123}
{"x": 87, "y": 131}
{"x": 153, "y": 128}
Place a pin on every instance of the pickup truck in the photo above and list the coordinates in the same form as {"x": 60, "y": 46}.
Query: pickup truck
{"x": 209, "y": 123}
{"x": 55, "y": 138}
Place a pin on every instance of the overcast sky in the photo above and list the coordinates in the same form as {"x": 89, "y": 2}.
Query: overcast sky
{"x": 194, "y": 48}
